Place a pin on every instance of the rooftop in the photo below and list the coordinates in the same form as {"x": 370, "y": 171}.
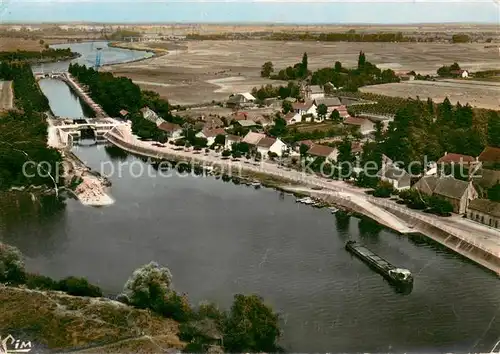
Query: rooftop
{"x": 456, "y": 158}
{"x": 490, "y": 154}
{"x": 247, "y": 123}
{"x": 169, "y": 127}
{"x": 485, "y": 206}
{"x": 355, "y": 121}
{"x": 266, "y": 142}
{"x": 302, "y": 105}
{"x": 329, "y": 102}
{"x": 253, "y": 138}
{"x": 210, "y": 133}
{"x": 393, "y": 172}
{"x": 445, "y": 186}
{"x": 320, "y": 150}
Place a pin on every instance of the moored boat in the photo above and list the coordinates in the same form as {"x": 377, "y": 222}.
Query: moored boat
{"x": 396, "y": 276}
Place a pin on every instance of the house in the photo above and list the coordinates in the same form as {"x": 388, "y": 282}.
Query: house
{"x": 237, "y": 116}
{"x": 315, "y": 91}
{"x": 490, "y": 156}
{"x": 149, "y": 114}
{"x": 253, "y": 138}
{"x": 268, "y": 144}
{"x": 247, "y": 123}
{"x": 308, "y": 143}
{"x": 399, "y": 178}
{"x": 173, "y": 130}
{"x": 240, "y": 100}
{"x": 230, "y": 140}
{"x": 305, "y": 108}
{"x": 123, "y": 113}
{"x": 292, "y": 118}
{"x": 210, "y": 134}
{"x": 484, "y": 179}
{"x": 464, "y": 74}
{"x": 327, "y": 152}
{"x": 458, "y": 193}
{"x": 484, "y": 211}
{"x": 211, "y": 122}
{"x": 262, "y": 120}
{"x": 330, "y": 102}
{"x": 364, "y": 125}
{"x": 457, "y": 159}
{"x": 404, "y": 76}
{"x": 342, "y": 111}
{"x": 356, "y": 147}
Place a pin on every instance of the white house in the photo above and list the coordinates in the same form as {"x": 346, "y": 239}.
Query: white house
{"x": 331, "y": 103}
{"x": 464, "y": 74}
{"x": 240, "y": 99}
{"x": 315, "y": 92}
{"x": 173, "y": 130}
{"x": 210, "y": 134}
{"x": 292, "y": 118}
{"x": 268, "y": 144}
{"x": 230, "y": 140}
{"x": 305, "y": 108}
{"x": 399, "y": 178}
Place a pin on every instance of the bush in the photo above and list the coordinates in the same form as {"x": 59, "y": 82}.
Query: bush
{"x": 37, "y": 281}
{"x": 11, "y": 265}
{"x": 79, "y": 287}
{"x": 173, "y": 306}
{"x": 383, "y": 190}
{"x": 148, "y": 285}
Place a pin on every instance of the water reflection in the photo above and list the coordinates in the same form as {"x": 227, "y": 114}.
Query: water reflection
{"x": 31, "y": 222}
{"x": 115, "y": 153}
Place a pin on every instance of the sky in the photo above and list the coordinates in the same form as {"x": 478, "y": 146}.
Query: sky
{"x": 252, "y": 11}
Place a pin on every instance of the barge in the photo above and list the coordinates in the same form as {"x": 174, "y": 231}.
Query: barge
{"x": 396, "y": 276}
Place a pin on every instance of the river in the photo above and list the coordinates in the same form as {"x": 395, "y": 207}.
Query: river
{"x": 220, "y": 239}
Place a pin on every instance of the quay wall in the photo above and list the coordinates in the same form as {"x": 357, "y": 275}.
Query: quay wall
{"x": 77, "y": 89}
{"x": 467, "y": 248}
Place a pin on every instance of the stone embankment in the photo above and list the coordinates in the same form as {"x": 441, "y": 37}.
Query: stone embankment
{"x": 478, "y": 246}
{"x": 83, "y": 95}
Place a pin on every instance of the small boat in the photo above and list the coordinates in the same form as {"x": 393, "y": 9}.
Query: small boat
{"x": 333, "y": 210}
{"x": 396, "y": 276}
{"x": 256, "y": 185}
{"x": 306, "y": 200}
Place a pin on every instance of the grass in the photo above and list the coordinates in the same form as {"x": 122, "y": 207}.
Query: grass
{"x": 59, "y": 321}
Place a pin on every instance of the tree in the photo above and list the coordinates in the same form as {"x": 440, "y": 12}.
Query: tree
{"x": 251, "y": 326}
{"x": 379, "y": 132}
{"x": 493, "y": 129}
{"x": 267, "y": 69}
{"x": 11, "y": 265}
{"x": 454, "y": 67}
{"x": 226, "y": 153}
{"x": 286, "y": 106}
{"x": 383, "y": 190}
{"x": 220, "y": 139}
{"x": 322, "y": 110}
{"x": 303, "y": 149}
{"x": 494, "y": 193}
{"x": 304, "y": 65}
{"x": 147, "y": 284}
{"x": 335, "y": 116}
{"x": 279, "y": 128}
{"x": 338, "y": 66}
{"x": 440, "y": 206}
{"x": 41, "y": 41}
{"x": 361, "y": 60}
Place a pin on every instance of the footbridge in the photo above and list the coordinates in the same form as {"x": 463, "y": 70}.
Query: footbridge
{"x": 61, "y": 75}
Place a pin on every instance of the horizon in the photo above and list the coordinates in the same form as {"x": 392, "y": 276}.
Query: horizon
{"x": 369, "y": 12}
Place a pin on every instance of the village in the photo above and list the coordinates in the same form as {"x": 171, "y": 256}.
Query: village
{"x": 253, "y": 133}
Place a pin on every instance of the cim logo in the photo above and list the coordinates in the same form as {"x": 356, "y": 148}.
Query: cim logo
{"x": 10, "y": 345}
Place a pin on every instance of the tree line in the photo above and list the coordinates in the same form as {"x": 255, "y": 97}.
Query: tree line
{"x": 120, "y": 93}
{"x": 34, "y": 56}
{"x": 23, "y": 132}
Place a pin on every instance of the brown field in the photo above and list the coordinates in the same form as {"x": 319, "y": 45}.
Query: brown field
{"x": 211, "y": 70}
{"x": 12, "y": 44}
{"x": 477, "y": 93}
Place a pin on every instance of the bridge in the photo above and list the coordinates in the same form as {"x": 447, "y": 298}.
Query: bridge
{"x": 64, "y": 131}
{"x": 50, "y": 75}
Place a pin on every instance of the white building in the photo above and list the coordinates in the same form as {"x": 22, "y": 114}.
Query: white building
{"x": 306, "y": 108}
{"x": 173, "y": 130}
{"x": 210, "y": 134}
{"x": 365, "y": 126}
{"x": 292, "y": 118}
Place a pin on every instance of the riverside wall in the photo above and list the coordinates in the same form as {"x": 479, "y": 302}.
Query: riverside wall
{"x": 467, "y": 248}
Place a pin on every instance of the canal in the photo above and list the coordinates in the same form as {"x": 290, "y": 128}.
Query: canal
{"x": 220, "y": 239}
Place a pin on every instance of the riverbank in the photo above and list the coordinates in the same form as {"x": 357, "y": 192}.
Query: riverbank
{"x": 480, "y": 246}
{"x": 123, "y": 45}
{"x": 63, "y": 322}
